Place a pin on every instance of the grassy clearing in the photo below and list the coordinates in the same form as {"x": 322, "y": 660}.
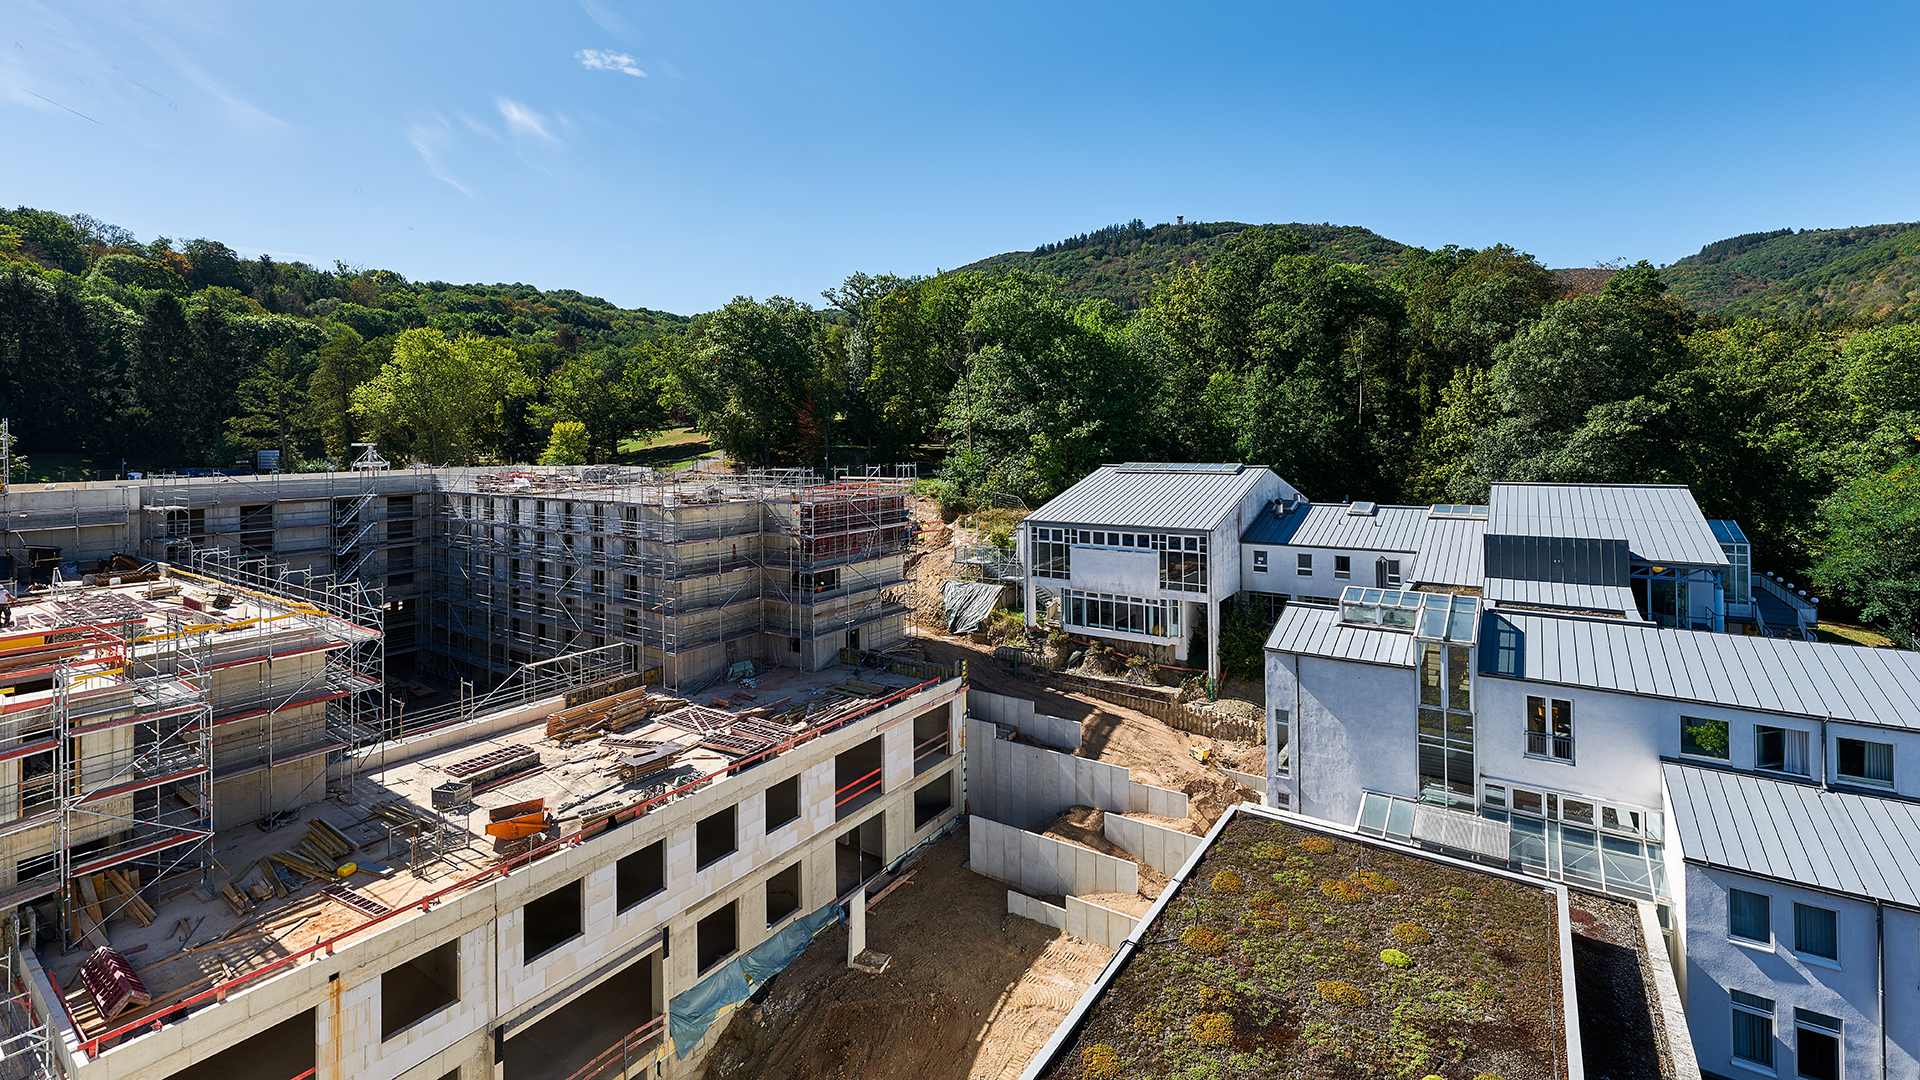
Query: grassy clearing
{"x": 670, "y": 449}
{"x": 1843, "y": 634}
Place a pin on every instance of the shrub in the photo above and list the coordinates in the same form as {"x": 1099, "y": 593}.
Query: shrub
{"x": 1226, "y": 881}
{"x": 1345, "y": 892}
{"x": 1343, "y": 994}
{"x": 1395, "y": 958}
{"x": 1376, "y": 881}
{"x": 1267, "y": 849}
{"x": 1147, "y": 1022}
{"x": 1412, "y": 934}
{"x": 1100, "y": 1061}
{"x": 1202, "y": 940}
{"x": 1318, "y": 845}
{"x": 1213, "y": 1029}
{"x": 1264, "y": 900}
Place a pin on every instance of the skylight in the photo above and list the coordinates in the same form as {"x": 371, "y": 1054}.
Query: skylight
{"x": 1440, "y": 616}
{"x": 1457, "y": 510}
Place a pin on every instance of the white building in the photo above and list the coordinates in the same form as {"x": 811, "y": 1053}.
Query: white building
{"x": 1576, "y": 714}
{"x": 1138, "y": 553}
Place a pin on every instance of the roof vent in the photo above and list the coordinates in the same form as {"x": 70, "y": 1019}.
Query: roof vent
{"x": 1360, "y": 509}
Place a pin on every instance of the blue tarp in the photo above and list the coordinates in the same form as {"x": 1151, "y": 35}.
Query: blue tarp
{"x": 692, "y": 1013}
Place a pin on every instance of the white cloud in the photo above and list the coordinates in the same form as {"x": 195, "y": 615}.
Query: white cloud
{"x": 522, "y": 120}
{"x": 601, "y": 60}
{"x": 608, "y": 21}
{"x": 431, "y": 140}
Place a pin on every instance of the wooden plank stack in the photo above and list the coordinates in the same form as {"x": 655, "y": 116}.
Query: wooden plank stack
{"x": 616, "y": 713}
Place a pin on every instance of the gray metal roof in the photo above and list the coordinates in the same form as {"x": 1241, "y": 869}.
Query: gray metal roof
{"x": 1189, "y": 497}
{"x": 1562, "y": 595}
{"x": 1660, "y": 522}
{"x": 1800, "y": 678}
{"x": 1451, "y": 552}
{"x": 1310, "y": 630}
{"x": 1855, "y": 844}
{"x": 1387, "y": 528}
{"x": 1576, "y": 560}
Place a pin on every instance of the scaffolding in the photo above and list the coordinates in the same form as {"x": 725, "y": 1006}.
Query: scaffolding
{"x": 687, "y": 566}
{"x": 26, "y": 1044}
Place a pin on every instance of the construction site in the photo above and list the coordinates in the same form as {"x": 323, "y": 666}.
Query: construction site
{"x": 525, "y": 772}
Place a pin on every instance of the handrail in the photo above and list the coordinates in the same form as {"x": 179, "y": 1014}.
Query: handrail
{"x": 837, "y": 803}
{"x": 502, "y": 869}
{"x": 649, "y": 1030}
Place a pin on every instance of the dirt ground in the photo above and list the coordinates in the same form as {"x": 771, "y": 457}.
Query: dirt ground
{"x": 972, "y": 992}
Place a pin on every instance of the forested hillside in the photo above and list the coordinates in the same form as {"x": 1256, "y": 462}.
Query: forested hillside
{"x": 1120, "y": 262}
{"x": 1413, "y": 376}
{"x": 185, "y": 355}
{"x": 1872, "y": 271}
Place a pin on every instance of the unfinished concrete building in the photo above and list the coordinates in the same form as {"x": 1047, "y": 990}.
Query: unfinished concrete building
{"x": 520, "y": 879}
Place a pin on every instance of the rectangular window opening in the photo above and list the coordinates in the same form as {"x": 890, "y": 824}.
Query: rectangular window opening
{"x": 716, "y": 837}
{"x": 1750, "y": 916}
{"x": 783, "y": 894}
{"x": 717, "y": 936}
{"x": 640, "y": 875}
{"x": 783, "y": 803}
{"x": 552, "y": 920}
{"x": 419, "y": 988}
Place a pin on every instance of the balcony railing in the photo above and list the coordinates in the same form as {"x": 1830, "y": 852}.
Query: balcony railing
{"x": 1557, "y": 747}
{"x": 932, "y": 752}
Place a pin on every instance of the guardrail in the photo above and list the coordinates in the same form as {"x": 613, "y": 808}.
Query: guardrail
{"x": 624, "y": 1049}
{"x": 899, "y": 665}
{"x": 927, "y": 752}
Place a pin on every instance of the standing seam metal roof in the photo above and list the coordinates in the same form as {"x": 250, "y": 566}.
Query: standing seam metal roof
{"x": 1801, "y": 678}
{"x": 1194, "y": 498}
{"x": 1661, "y": 522}
{"x": 1311, "y": 630}
{"x": 1452, "y": 552}
{"x": 1845, "y": 842}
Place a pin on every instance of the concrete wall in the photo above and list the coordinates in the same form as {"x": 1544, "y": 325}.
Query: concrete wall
{"x": 1028, "y": 786}
{"x": 1353, "y": 730}
{"x": 1040, "y": 864}
{"x": 1027, "y": 907}
{"x": 1102, "y": 926}
{"x": 1019, "y": 713}
{"x": 1166, "y": 850}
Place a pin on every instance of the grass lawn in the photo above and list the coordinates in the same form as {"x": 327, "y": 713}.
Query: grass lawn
{"x": 668, "y": 450}
{"x": 1290, "y": 956}
{"x": 1843, "y": 634}
{"x": 54, "y": 468}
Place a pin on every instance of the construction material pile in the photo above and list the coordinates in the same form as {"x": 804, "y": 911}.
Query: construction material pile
{"x": 609, "y": 714}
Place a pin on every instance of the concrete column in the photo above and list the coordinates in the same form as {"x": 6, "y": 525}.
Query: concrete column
{"x": 1213, "y": 642}
{"x": 856, "y": 926}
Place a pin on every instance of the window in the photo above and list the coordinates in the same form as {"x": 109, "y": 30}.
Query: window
{"x": 1281, "y": 721}
{"x": 783, "y": 894}
{"x": 715, "y": 838}
{"x": 783, "y": 802}
{"x": 1183, "y": 562}
{"x": 640, "y": 875}
{"x": 1704, "y": 738}
{"x": 1305, "y": 567}
{"x": 1445, "y": 744}
{"x": 1550, "y": 729}
{"x": 1780, "y": 749}
{"x": 1259, "y": 562}
{"x": 1816, "y": 1039}
{"x": 1505, "y": 656}
{"x": 1343, "y": 567}
{"x": 551, "y": 921}
{"x": 1752, "y": 1029}
{"x": 1387, "y": 574}
{"x": 1052, "y": 555}
{"x": 1864, "y": 762}
{"x": 1816, "y": 932}
{"x": 1127, "y": 614}
{"x": 717, "y": 936}
{"x": 1750, "y": 916}
{"x": 419, "y": 988}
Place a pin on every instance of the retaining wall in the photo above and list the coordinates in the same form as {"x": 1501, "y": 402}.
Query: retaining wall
{"x": 1091, "y": 922}
{"x": 1164, "y": 849}
{"x": 1019, "y": 713}
{"x": 1043, "y": 865}
{"x": 1028, "y": 786}
{"x": 1019, "y": 903}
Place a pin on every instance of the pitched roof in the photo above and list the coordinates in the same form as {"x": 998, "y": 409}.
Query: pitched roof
{"x": 1801, "y": 678}
{"x": 1452, "y": 552}
{"x": 1311, "y": 630}
{"x": 1154, "y": 496}
{"x": 1562, "y": 594}
{"x": 1661, "y": 522}
{"x": 1845, "y": 842}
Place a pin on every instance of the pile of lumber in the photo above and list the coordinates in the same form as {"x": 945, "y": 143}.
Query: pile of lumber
{"x": 616, "y": 713}
{"x": 120, "y": 894}
{"x": 318, "y": 854}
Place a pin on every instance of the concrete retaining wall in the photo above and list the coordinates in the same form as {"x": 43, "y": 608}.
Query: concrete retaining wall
{"x": 1019, "y": 903}
{"x": 1091, "y": 922}
{"x": 1028, "y": 786}
{"x": 1164, "y": 849}
{"x": 1251, "y": 781}
{"x": 1040, "y": 864}
{"x": 1019, "y": 713}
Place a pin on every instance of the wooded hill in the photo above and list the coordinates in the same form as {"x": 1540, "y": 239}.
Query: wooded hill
{"x": 1872, "y": 271}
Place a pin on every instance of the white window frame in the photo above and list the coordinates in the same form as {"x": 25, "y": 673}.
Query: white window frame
{"x": 1343, "y": 568}
{"x": 1259, "y": 562}
{"x": 1739, "y": 1006}
{"x": 1303, "y": 564}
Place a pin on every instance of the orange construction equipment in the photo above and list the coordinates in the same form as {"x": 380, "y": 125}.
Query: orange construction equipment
{"x": 520, "y": 827}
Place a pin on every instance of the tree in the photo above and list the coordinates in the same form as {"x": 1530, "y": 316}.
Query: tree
{"x": 1871, "y": 555}
{"x": 342, "y": 362}
{"x": 567, "y": 445}
{"x": 612, "y": 393}
{"x": 439, "y": 401}
{"x": 745, "y": 374}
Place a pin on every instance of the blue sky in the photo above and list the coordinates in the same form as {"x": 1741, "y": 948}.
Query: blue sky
{"x": 675, "y": 155}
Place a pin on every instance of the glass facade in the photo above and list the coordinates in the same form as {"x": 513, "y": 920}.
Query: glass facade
{"x": 1125, "y": 614}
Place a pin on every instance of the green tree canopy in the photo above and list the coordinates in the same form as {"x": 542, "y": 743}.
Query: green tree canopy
{"x": 439, "y": 401}
{"x": 1871, "y": 556}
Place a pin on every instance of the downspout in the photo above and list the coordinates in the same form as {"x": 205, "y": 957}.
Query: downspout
{"x": 1880, "y": 941}
{"x": 1826, "y": 770}
{"x": 1719, "y": 603}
